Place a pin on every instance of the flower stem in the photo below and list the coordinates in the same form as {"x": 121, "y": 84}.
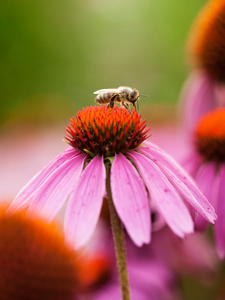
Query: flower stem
{"x": 119, "y": 241}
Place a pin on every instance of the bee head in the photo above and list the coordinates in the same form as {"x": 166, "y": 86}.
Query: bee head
{"x": 134, "y": 95}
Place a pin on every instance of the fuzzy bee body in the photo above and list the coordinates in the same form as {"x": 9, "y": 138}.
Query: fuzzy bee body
{"x": 106, "y": 97}
{"x": 123, "y": 95}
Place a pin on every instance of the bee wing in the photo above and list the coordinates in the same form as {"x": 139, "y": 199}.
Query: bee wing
{"x": 125, "y": 89}
{"x": 103, "y": 91}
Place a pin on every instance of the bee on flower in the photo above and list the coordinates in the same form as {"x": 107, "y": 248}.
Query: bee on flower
{"x": 140, "y": 175}
{"x": 125, "y": 95}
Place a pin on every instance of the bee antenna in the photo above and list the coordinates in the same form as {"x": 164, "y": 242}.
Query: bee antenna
{"x": 143, "y": 95}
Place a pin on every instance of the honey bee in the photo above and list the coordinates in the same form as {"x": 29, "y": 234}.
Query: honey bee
{"x": 125, "y": 95}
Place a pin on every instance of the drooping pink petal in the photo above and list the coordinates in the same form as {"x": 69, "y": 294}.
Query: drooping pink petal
{"x": 130, "y": 199}
{"x": 182, "y": 181}
{"x": 21, "y": 201}
{"x": 85, "y": 204}
{"x": 164, "y": 195}
{"x": 197, "y": 99}
{"x": 220, "y": 210}
{"x": 52, "y": 194}
{"x": 204, "y": 176}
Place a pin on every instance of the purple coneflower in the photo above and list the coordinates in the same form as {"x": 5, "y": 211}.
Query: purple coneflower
{"x": 206, "y": 163}
{"x": 108, "y": 154}
{"x": 205, "y": 89}
{"x": 140, "y": 174}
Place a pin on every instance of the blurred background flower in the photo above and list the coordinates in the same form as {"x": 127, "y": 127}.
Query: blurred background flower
{"x": 205, "y": 163}
{"x": 35, "y": 262}
{"x": 205, "y": 88}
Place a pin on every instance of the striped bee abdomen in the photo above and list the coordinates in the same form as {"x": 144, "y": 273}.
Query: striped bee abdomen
{"x": 104, "y": 98}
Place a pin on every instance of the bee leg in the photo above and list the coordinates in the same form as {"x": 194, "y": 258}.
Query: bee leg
{"x": 112, "y": 102}
{"x": 126, "y": 106}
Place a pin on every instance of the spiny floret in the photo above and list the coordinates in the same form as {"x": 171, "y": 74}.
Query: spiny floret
{"x": 207, "y": 43}
{"x": 105, "y": 131}
{"x": 210, "y": 136}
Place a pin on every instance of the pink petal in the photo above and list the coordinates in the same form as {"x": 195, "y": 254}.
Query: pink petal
{"x": 52, "y": 194}
{"x": 182, "y": 181}
{"x": 197, "y": 99}
{"x": 22, "y": 199}
{"x": 85, "y": 204}
{"x": 130, "y": 199}
{"x": 164, "y": 195}
{"x": 220, "y": 209}
{"x": 205, "y": 179}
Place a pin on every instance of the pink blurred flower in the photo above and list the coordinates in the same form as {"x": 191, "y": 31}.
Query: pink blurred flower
{"x": 149, "y": 280}
{"x": 206, "y": 163}
{"x": 150, "y": 276}
{"x": 205, "y": 88}
{"x": 197, "y": 98}
{"x": 194, "y": 256}
{"x": 142, "y": 175}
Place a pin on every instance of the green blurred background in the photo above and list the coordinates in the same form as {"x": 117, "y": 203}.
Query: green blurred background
{"x": 55, "y": 54}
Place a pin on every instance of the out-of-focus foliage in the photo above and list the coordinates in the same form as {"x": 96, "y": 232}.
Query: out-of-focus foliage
{"x": 54, "y": 54}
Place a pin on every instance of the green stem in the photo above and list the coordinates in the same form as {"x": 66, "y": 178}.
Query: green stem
{"x": 119, "y": 241}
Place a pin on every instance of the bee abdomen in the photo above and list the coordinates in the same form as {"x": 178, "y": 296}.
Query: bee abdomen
{"x": 103, "y": 98}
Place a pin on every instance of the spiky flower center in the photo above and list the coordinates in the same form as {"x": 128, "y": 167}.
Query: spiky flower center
{"x": 105, "y": 131}
{"x": 207, "y": 42}
{"x": 210, "y": 136}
